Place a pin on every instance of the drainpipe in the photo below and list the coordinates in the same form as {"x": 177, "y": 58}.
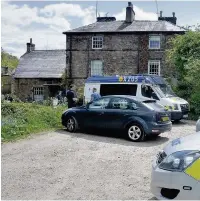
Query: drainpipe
{"x": 70, "y": 59}
{"x": 138, "y": 68}
{"x": 88, "y": 51}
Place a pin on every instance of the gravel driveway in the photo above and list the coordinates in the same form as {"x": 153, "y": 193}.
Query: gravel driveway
{"x": 61, "y": 165}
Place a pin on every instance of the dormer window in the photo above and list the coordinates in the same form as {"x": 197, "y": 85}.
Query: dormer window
{"x": 154, "y": 42}
{"x": 97, "y": 42}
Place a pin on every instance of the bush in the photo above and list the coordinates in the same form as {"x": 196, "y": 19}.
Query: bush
{"x": 195, "y": 105}
{"x": 21, "y": 119}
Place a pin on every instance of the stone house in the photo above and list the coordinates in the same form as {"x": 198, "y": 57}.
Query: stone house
{"x": 110, "y": 47}
{"x": 106, "y": 47}
{"x": 39, "y": 73}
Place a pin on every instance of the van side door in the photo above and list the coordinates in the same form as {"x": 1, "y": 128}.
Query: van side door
{"x": 148, "y": 92}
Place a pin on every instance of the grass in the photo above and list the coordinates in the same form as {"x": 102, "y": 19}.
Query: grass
{"x": 19, "y": 120}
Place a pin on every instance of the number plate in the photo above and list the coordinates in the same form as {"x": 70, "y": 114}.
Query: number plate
{"x": 185, "y": 116}
{"x": 165, "y": 118}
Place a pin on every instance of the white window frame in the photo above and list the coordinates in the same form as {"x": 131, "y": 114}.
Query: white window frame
{"x": 154, "y": 38}
{"x": 150, "y": 62}
{"x": 93, "y": 70}
{"x": 38, "y": 90}
{"x": 95, "y": 40}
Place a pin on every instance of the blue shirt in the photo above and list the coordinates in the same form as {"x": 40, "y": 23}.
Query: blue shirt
{"x": 95, "y": 96}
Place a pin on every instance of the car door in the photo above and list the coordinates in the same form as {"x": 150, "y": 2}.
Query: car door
{"x": 118, "y": 111}
{"x": 95, "y": 115}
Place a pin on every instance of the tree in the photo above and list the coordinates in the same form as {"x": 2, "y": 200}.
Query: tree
{"x": 8, "y": 60}
{"x": 184, "y": 56}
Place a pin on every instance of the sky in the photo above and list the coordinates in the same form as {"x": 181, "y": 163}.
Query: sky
{"x": 44, "y": 21}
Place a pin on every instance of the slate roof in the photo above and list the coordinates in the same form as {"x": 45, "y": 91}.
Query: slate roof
{"x": 41, "y": 64}
{"x": 122, "y": 27}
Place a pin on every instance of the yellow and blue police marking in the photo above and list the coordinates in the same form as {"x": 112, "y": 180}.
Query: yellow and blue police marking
{"x": 194, "y": 170}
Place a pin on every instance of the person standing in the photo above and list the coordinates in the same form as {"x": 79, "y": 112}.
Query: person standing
{"x": 71, "y": 98}
{"x": 95, "y": 96}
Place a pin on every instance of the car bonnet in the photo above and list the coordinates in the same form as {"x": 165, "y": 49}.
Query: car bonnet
{"x": 190, "y": 142}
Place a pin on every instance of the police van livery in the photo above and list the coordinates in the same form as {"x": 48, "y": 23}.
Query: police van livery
{"x": 143, "y": 87}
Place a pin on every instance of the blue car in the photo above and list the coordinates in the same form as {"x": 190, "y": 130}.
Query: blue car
{"x": 136, "y": 119}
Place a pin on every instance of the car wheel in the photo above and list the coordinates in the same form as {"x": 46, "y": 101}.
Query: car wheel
{"x": 135, "y": 133}
{"x": 71, "y": 124}
{"x": 177, "y": 121}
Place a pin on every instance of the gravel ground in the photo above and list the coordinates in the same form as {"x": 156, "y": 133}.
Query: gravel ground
{"x": 61, "y": 165}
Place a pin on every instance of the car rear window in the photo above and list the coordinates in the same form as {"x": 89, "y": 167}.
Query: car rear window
{"x": 153, "y": 105}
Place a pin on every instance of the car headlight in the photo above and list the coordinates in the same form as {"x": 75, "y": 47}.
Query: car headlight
{"x": 179, "y": 161}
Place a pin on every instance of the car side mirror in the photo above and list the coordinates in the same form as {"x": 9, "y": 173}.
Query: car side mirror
{"x": 134, "y": 107}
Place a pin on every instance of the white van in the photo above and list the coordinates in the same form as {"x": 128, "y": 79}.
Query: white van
{"x": 143, "y": 87}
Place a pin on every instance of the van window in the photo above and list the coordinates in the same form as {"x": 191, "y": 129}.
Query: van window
{"x": 148, "y": 92}
{"x": 118, "y": 89}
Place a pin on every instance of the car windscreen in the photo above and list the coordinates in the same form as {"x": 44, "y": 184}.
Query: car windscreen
{"x": 167, "y": 90}
{"x": 153, "y": 105}
{"x": 118, "y": 89}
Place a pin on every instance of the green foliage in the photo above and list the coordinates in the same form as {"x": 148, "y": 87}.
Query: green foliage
{"x": 21, "y": 119}
{"x": 184, "y": 55}
{"x": 8, "y": 60}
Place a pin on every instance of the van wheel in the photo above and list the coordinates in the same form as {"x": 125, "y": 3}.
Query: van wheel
{"x": 71, "y": 124}
{"x": 177, "y": 120}
{"x": 135, "y": 132}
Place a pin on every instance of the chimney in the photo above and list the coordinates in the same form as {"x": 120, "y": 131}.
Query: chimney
{"x": 106, "y": 19}
{"x": 130, "y": 14}
{"x": 168, "y": 19}
{"x": 30, "y": 46}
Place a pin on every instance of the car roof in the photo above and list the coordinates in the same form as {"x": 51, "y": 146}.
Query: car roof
{"x": 125, "y": 96}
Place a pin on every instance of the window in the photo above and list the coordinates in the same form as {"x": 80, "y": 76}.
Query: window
{"x": 118, "y": 89}
{"x": 120, "y": 103}
{"x": 97, "y": 42}
{"x": 100, "y": 104}
{"x": 154, "y": 42}
{"x": 38, "y": 90}
{"x": 148, "y": 92}
{"x": 96, "y": 67}
{"x": 154, "y": 67}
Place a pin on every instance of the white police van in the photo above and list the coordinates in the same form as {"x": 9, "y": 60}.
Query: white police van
{"x": 176, "y": 170}
{"x": 143, "y": 87}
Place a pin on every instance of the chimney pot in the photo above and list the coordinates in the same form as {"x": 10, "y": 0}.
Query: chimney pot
{"x": 173, "y": 14}
{"x": 130, "y": 4}
{"x": 30, "y": 40}
{"x": 161, "y": 13}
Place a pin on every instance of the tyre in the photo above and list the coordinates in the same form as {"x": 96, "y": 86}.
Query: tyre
{"x": 71, "y": 124}
{"x": 177, "y": 121}
{"x": 135, "y": 132}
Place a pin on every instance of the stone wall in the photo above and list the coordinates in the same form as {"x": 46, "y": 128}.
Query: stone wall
{"x": 23, "y": 87}
{"x": 122, "y": 54}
